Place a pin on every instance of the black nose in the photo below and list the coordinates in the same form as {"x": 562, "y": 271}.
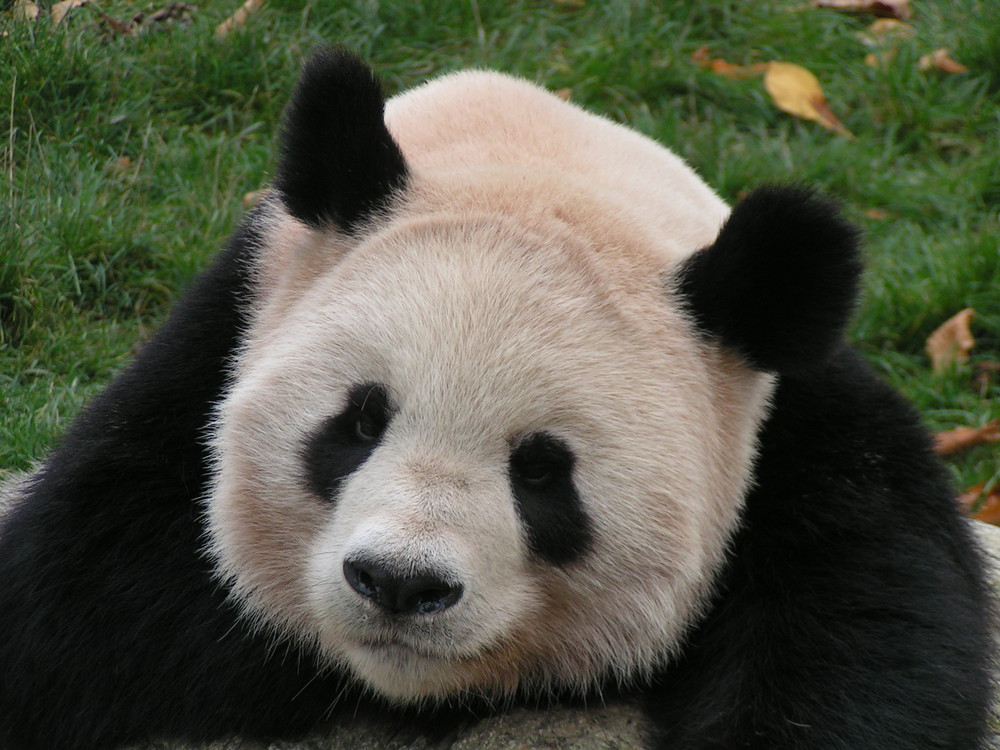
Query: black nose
{"x": 422, "y": 593}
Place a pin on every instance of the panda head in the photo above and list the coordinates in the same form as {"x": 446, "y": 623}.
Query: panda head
{"x": 490, "y": 429}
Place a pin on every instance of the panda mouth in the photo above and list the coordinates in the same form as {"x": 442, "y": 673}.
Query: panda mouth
{"x": 401, "y": 651}
{"x": 399, "y": 647}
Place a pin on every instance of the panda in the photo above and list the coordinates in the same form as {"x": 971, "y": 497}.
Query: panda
{"x": 493, "y": 402}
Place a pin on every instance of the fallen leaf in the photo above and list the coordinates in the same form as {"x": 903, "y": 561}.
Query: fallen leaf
{"x": 24, "y": 10}
{"x": 59, "y": 10}
{"x": 797, "y": 91}
{"x": 564, "y": 94}
{"x": 940, "y": 60}
{"x": 889, "y": 28}
{"x": 723, "y": 68}
{"x": 952, "y": 341}
{"x": 120, "y": 28}
{"x": 899, "y": 9}
{"x": 175, "y": 12}
{"x": 884, "y": 37}
{"x": 238, "y": 19}
{"x": 967, "y": 500}
{"x": 181, "y": 12}
{"x": 877, "y": 213}
{"x": 987, "y": 506}
{"x": 960, "y": 438}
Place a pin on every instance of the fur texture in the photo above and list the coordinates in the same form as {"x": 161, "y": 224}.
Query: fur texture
{"x": 780, "y": 280}
{"x": 463, "y": 414}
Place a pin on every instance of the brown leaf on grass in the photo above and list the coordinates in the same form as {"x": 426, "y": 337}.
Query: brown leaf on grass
{"x": 881, "y": 59}
{"x": 238, "y": 19}
{"x": 180, "y": 12}
{"x": 114, "y": 27}
{"x": 952, "y": 341}
{"x": 717, "y": 65}
{"x": 792, "y": 88}
{"x": 982, "y": 507}
{"x": 564, "y": 94}
{"x": 24, "y": 10}
{"x": 798, "y": 92}
{"x": 940, "y": 60}
{"x": 877, "y": 214}
{"x": 960, "y": 438}
{"x": 169, "y": 14}
{"x": 885, "y": 29}
{"x": 884, "y": 37}
{"x": 882, "y": 8}
{"x": 59, "y": 10}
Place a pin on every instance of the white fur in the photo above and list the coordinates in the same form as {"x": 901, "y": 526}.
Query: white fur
{"x": 520, "y": 286}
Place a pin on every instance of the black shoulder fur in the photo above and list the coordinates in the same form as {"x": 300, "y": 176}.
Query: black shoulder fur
{"x": 853, "y": 614}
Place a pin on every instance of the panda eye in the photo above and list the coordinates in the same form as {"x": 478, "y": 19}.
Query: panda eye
{"x": 533, "y": 474}
{"x": 556, "y": 523}
{"x": 370, "y": 415}
{"x": 540, "y": 461}
{"x": 343, "y": 442}
{"x": 368, "y": 427}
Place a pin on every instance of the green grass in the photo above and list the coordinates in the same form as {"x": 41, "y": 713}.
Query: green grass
{"x": 124, "y": 160}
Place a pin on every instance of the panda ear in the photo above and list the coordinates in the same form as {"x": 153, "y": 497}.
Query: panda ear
{"x": 780, "y": 281}
{"x": 338, "y": 162}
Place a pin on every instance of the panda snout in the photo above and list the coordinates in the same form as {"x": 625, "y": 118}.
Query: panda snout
{"x": 416, "y": 593}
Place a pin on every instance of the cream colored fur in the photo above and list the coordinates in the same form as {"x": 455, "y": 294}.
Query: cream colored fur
{"x": 520, "y": 284}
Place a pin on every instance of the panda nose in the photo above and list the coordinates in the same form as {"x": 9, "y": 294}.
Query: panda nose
{"x": 423, "y": 593}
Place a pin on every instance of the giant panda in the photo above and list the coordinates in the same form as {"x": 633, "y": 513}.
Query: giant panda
{"x": 494, "y": 402}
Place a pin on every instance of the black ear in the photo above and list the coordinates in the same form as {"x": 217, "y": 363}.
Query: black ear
{"x": 780, "y": 281}
{"x": 338, "y": 162}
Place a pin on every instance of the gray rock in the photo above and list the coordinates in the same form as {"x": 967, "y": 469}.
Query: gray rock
{"x": 610, "y": 727}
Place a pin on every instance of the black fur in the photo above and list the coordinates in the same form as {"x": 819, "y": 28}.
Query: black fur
{"x": 112, "y": 628}
{"x": 339, "y": 164}
{"x": 541, "y": 477}
{"x": 780, "y": 280}
{"x": 853, "y": 614}
{"x": 344, "y": 442}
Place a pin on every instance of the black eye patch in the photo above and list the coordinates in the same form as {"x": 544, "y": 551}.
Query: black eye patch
{"x": 541, "y": 478}
{"x": 345, "y": 441}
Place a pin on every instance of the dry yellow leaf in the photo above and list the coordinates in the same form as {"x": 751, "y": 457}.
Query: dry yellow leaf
{"x": 884, "y": 28}
{"x": 238, "y": 19}
{"x": 798, "y": 92}
{"x": 952, "y": 341}
{"x": 24, "y": 10}
{"x": 59, "y": 10}
{"x": 941, "y": 60}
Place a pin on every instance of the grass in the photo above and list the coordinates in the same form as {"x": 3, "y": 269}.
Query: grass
{"x": 124, "y": 160}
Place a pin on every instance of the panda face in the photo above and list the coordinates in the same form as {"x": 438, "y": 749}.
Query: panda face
{"x": 462, "y": 453}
